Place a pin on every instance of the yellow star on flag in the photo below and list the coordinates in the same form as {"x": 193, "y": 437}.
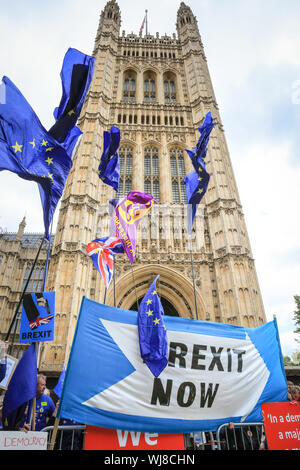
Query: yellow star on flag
{"x": 149, "y": 313}
{"x": 44, "y": 143}
{"x": 154, "y": 292}
{"x": 17, "y": 147}
{"x": 49, "y": 160}
{"x": 148, "y": 301}
{"x": 49, "y": 149}
{"x": 200, "y": 191}
{"x": 71, "y": 112}
{"x": 156, "y": 321}
{"x": 33, "y": 143}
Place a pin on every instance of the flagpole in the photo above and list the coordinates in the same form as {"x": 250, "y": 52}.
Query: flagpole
{"x": 146, "y": 21}
{"x": 23, "y": 293}
{"x": 104, "y": 301}
{"x": 137, "y": 302}
{"x": 194, "y": 285}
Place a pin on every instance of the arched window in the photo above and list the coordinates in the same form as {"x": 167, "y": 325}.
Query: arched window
{"x": 169, "y": 87}
{"x": 178, "y": 174}
{"x": 125, "y": 156}
{"x": 151, "y": 172}
{"x": 129, "y": 86}
{"x": 149, "y": 87}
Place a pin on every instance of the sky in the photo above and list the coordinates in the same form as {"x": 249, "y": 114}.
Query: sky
{"x": 252, "y": 49}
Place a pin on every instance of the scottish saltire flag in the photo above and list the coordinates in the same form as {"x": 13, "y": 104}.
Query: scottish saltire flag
{"x": 216, "y": 373}
{"x": 129, "y": 211}
{"x": 21, "y": 389}
{"x": 58, "y": 387}
{"x": 76, "y": 76}
{"x": 152, "y": 331}
{"x": 109, "y": 167}
{"x": 102, "y": 252}
{"x": 196, "y": 182}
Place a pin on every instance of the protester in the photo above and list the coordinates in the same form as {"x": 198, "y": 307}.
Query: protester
{"x": 45, "y": 407}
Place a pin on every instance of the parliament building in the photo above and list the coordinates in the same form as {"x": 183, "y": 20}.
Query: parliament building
{"x": 157, "y": 91}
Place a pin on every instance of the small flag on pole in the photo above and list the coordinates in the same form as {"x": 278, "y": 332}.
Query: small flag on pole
{"x": 143, "y": 23}
{"x": 102, "y": 252}
{"x": 196, "y": 182}
{"x": 21, "y": 389}
{"x": 109, "y": 167}
{"x": 152, "y": 331}
{"x": 58, "y": 387}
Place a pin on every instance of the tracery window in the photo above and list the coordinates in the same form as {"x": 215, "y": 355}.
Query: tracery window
{"x": 169, "y": 87}
{"x": 151, "y": 172}
{"x": 125, "y": 156}
{"x": 178, "y": 174}
{"x": 129, "y": 87}
{"x": 149, "y": 87}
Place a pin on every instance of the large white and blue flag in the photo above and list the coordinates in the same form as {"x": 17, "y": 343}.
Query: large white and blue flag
{"x": 216, "y": 373}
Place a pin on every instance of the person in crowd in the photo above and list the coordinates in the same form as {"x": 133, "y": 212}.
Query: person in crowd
{"x": 45, "y": 407}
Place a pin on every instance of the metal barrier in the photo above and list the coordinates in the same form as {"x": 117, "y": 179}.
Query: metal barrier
{"x": 67, "y": 438}
{"x": 245, "y": 436}
{"x": 241, "y": 436}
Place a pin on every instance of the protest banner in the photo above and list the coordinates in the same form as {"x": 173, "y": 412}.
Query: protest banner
{"x": 282, "y": 425}
{"x": 18, "y": 440}
{"x": 38, "y": 316}
{"x": 216, "y": 373}
{"x": 115, "y": 439}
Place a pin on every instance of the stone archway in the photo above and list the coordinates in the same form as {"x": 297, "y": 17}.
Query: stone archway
{"x": 172, "y": 286}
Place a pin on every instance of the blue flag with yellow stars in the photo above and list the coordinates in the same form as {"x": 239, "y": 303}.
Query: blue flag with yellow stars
{"x": 28, "y": 150}
{"x": 152, "y": 332}
{"x": 196, "y": 182}
{"x": 76, "y": 76}
{"x": 109, "y": 168}
{"x": 59, "y": 386}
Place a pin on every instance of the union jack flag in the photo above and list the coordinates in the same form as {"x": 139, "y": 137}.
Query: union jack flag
{"x": 40, "y": 321}
{"x": 102, "y": 252}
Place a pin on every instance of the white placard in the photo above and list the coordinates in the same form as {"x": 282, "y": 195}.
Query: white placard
{"x": 18, "y": 440}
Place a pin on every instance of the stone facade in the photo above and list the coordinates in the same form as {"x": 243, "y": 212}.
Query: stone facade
{"x": 157, "y": 90}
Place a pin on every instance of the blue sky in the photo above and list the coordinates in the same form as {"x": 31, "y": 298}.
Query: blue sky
{"x": 252, "y": 48}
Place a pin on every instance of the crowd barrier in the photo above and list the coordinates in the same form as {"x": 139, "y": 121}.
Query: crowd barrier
{"x": 246, "y": 436}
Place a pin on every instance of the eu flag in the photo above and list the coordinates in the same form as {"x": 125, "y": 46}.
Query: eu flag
{"x": 59, "y": 386}
{"x": 21, "y": 389}
{"x": 109, "y": 168}
{"x": 28, "y": 150}
{"x": 196, "y": 182}
{"x": 76, "y": 76}
{"x": 152, "y": 332}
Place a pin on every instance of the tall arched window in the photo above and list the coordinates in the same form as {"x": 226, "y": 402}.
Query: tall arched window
{"x": 178, "y": 174}
{"x": 149, "y": 87}
{"x": 125, "y": 155}
{"x": 170, "y": 87}
{"x": 151, "y": 172}
{"x": 129, "y": 86}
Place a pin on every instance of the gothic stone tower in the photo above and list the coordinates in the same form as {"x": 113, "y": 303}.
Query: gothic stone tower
{"x": 157, "y": 90}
